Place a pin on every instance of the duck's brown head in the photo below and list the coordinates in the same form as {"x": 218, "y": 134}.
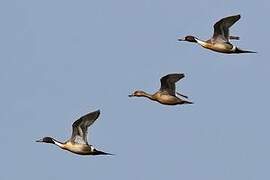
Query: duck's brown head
{"x": 189, "y": 39}
{"x": 137, "y": 93}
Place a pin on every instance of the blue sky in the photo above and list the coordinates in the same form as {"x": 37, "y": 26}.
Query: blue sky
{"x": 62, "y": 59}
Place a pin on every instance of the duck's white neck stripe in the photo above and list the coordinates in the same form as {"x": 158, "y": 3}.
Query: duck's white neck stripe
{"x": 202, "y": 43}
{"x": 58, "y": 143}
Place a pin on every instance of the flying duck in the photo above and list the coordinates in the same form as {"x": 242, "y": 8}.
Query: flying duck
{"x": 78, "y": 142}
{"x": 166, "y": 94}
{"x": 220, "y": 40}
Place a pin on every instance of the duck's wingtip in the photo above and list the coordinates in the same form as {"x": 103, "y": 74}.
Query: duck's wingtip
{"x": 97, "y": 111}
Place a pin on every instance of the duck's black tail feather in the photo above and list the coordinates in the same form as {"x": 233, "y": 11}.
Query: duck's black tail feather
{"x": 237, "y": 50}
{"x": 188, "y": 102}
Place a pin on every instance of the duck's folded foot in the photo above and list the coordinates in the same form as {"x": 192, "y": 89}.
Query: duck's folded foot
{"x": 181, "y": 95}
{"x": 234, "y": 37}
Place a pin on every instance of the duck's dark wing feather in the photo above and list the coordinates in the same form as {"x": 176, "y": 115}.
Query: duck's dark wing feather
{"x": 221, "y": 28}
{"x": 80, "y": 127}
{"x": 168, "y": 82}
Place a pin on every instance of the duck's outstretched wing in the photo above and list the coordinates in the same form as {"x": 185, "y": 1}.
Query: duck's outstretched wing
{"x": 168, "y": 82}
{"x": 80, "y": 127}
{"x": 221, "y": 28}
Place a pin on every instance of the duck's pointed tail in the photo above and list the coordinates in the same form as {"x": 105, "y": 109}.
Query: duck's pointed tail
{"x": 188, "y": 102}
{"x": 97, "y": 152}
{"x": 237, "y": 50}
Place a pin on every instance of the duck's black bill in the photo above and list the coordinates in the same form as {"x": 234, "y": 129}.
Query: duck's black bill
{"x": 40, "y": 140}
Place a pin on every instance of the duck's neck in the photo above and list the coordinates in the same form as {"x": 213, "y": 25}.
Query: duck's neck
{"x": 201, "y": 42}
{"x": 149, "y": 96}
{"x": 58, "y": 143}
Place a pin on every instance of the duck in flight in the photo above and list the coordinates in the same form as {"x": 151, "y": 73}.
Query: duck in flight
{"x": 220, "y": 40}
{"x": 78, "y": 142}
{"x": 166, "y": 94}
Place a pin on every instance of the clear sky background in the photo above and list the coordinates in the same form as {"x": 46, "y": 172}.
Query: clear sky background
{"x": 61, "y": 59}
